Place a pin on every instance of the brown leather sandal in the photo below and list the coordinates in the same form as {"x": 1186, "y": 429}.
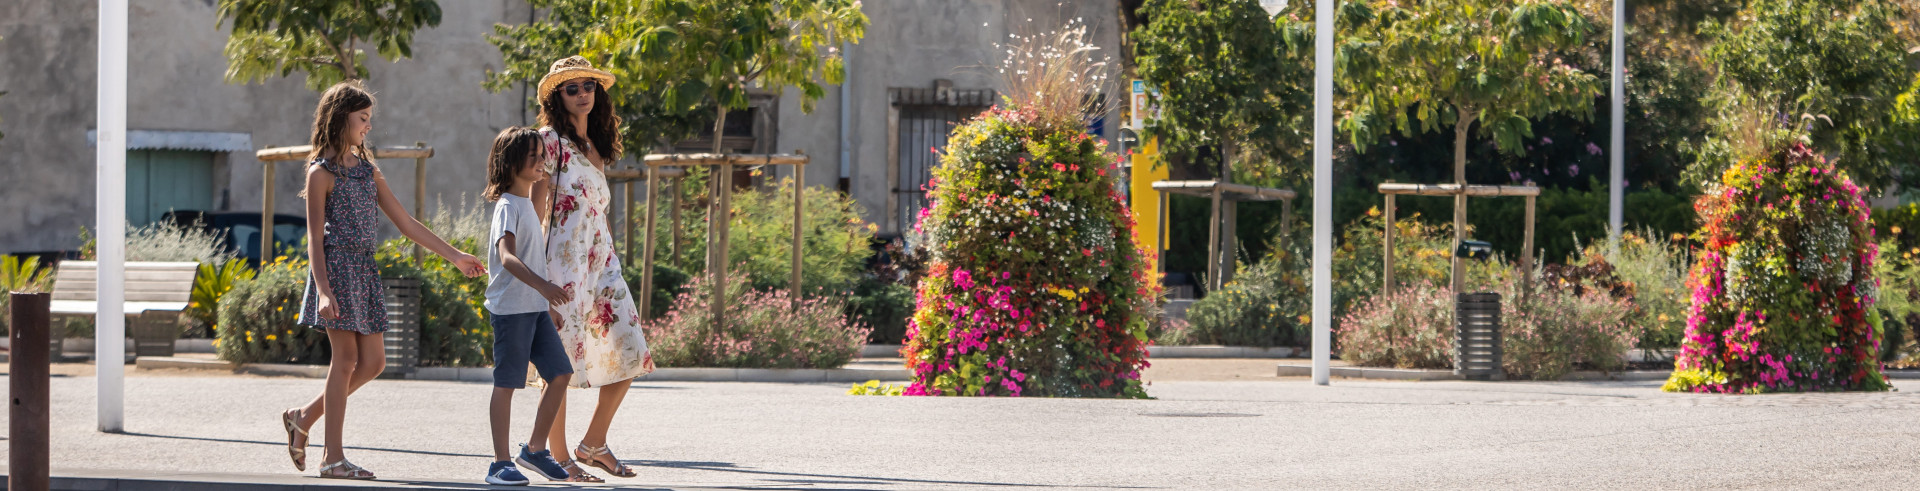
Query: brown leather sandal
{"x": 296, "y": 450}
{"x": 592, "y": 455}
{"x": 345, "y": 470}
{"x": 576, "y": 474}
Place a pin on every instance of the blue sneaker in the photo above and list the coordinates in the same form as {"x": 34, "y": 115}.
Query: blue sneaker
{"x": 504, "y": 474}
{"x": 541, "y": 463}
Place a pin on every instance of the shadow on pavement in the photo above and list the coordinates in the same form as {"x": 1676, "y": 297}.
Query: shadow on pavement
{"x": 831, "y": 479}
{"x": 284, "y": 444}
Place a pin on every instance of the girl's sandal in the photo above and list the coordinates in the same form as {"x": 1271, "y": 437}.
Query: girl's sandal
{"x": 592, "y": 456}
{"x": 345, "y": 470}
{"x": 294, "y": 434}
{"x": 576, "y": 474}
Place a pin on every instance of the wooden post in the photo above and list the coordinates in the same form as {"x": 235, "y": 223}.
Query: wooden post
{"x": 28, "y": 436}
{"x": 799, "y": 207}
{"x": 719, "y": 217}
{"x": 1213, "y": 244}
{"x": 673, "y": 213}
{"x": 1286, "y": 223}
{"x": 267, "y": 254}
{"x": 1160, "y": 241}
{"x": 419, "y": 195}
{"x": 1386, "y": 283}
{"x": 628, "y": 217}
{"x": 646, "y": 245}
{"x": 1229, "y": 239}
{"x": 1526, "y": 253}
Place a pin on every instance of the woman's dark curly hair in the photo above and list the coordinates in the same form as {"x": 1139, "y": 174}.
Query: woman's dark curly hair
{"x": 602, "y": 126}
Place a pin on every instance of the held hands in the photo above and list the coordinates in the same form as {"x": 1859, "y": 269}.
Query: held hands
{"x": 469, "y": 265}
{"x": 556, "y": 295}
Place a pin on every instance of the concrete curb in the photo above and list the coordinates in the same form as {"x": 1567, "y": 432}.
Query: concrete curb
{"x": 893, "y": 351}
{"x": 485, "y": 374}
{"x": 1291, "y": 370}
{"x": 98, "y": 479}
{"x": 1374, "y": 373}
{"x": 762, "y": 375}
{"x": 880, "y": 351}
{"x": 1219, "y": 352}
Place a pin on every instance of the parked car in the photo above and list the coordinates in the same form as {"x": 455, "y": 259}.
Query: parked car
{"x": 239, "y": 231}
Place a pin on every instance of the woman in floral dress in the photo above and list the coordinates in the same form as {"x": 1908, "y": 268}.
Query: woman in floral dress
{"x": 600, "y": 327}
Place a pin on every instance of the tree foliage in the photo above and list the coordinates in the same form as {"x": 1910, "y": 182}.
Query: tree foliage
{"x": 1226, "y": 79}
{"x": 1840, "y": 61}
{"x": 1440, "y": 63}
{"x": 274, "y": 38}
{"x": 527, "y": 51}
{"x": 695, "y": 52}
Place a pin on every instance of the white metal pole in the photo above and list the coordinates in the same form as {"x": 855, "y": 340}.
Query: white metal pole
{"x": 110, "y": 213}
{"x": 1617, "y": 158}
{"x": 1322, "y": 189}
{"x": 846, "y": 115}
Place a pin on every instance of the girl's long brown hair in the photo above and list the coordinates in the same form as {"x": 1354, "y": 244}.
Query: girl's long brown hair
{"x": 512, "y": 151}
{"x": 330, "y": 120}
{"x": 602, "y": 126}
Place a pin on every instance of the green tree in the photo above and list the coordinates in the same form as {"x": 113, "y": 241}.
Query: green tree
{"x": 1435, "y": 64}
{"x": 527, "y": 51}
{"x": 709, "y": 53}
{"x": 1840, "y": 61}
{"x": 274, "y": 38}
{"x": 1227, "y": 82}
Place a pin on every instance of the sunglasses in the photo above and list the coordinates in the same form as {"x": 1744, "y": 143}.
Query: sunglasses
{"x": 576, "y": 88}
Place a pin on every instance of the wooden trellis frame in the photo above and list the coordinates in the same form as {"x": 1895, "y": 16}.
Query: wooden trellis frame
{"x": 419, "y": 152}
{"x": 718, "y": 216}
{"x": 1526, "y": 244}
{"x": 651, "y": 175}
{"x": 1220, "y": 229}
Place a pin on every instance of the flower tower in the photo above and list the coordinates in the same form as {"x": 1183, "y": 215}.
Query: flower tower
{"x": 1783, "y": 292}
{"x": 1036, "y": 286}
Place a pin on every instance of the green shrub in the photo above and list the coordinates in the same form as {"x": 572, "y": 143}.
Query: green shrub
{"x": 1551, "y": 331}
{"x": 1421, "y": 256}
{"x": 763, "y": 330}
{"x": 209, "y": 285}
{"x": 259, "y": 318}
{"x": 20, "y": 274}
{"x": 1544, "y": 335}
{"x": 1411, "y": 327}
{"x": 833, "y": 238}
{"x": 1655, "y": 268}
{"x": 453, "y": 315}
{"x": 1265, "y": 305}
{"x": 883, "y": 306}
{"x": 668, "y": 283}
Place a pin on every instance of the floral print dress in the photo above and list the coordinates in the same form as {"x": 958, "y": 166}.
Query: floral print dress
{"x": 352, "y": 213}
{"x": 600, "y": 327}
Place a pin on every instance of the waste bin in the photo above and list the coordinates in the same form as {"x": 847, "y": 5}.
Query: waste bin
{"x": 1476, "y": 337}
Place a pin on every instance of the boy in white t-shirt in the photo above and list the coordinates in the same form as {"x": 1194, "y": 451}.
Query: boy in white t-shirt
{"x": 518, "y": 300}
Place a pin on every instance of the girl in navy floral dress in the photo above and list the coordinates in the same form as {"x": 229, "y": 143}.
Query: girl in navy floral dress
{"x": 344, "y": 295}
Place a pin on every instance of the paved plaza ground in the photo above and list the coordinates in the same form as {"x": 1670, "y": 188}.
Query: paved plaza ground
{"x": 1214, "y": 424}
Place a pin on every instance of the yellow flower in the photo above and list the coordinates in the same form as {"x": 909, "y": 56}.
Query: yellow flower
{"x": 1896, "y": 229}
{"x": 1306, "y": 319}
{"x": 270, "y": 337}
{"x": 1663, "y": 317}
{"x": 1373, "y": 212}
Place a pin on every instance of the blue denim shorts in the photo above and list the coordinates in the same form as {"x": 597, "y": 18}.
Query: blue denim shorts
{"x": 522, "y": 338}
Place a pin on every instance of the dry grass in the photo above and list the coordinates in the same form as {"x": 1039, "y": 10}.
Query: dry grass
{"x": 1058, "y": 76}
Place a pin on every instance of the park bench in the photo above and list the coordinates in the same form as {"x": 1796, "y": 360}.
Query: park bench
{"x": 156, "y": 294}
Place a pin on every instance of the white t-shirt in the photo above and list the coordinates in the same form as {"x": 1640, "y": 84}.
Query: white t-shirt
{"x": 506, "y": 294}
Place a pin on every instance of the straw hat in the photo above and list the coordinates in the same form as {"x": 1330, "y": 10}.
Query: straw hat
{"x": 570, "y": 68}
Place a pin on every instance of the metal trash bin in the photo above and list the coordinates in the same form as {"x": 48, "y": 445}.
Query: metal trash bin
{"x": 403, "y": 326}
{"x": 1476, "y": 337}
